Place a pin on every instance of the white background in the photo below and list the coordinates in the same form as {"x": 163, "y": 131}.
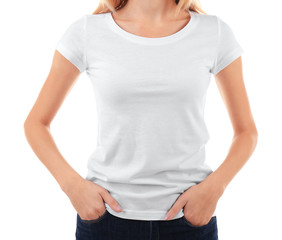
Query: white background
{"x": 32, "y": 203}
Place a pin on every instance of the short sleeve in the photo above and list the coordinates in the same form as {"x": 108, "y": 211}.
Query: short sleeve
{"x": 72, "y": 43}
{"x": 227, "y": 50}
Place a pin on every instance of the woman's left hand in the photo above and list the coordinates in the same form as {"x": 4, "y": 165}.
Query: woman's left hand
{"x": 198, "y": 202}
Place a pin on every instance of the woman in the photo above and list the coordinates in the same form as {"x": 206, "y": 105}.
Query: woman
{"x": 150, "y": 64}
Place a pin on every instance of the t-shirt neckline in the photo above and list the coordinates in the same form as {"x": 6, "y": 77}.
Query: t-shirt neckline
{"x": 154, "y": 40}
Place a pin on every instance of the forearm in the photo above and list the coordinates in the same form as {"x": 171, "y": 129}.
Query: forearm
{"x": 42, "y": 143}
{"x": 241, "y": 149}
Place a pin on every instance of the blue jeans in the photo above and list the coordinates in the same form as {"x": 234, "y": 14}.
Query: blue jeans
{"x": 110, "y": 227}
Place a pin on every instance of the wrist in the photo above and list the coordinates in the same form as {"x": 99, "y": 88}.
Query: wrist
{"x": 217, "y": 183}
{"x": 69, "y": 181}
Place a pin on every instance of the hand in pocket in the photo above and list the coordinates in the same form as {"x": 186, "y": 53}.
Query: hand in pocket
{"x": 89, "y": 199}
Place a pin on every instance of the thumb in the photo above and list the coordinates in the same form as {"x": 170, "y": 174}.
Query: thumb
{"x": 111, "y": 201}
{"x": 177, "y": 206}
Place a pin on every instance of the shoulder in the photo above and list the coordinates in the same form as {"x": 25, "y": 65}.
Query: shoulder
{"x": 97, "y": 18}
{"x": 206, "y": 19}
{"x": 210, "y": 22}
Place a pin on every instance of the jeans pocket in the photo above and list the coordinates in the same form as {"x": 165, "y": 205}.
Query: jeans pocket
{"x": 187, "y": 222}
{"x": 94, "y": 220}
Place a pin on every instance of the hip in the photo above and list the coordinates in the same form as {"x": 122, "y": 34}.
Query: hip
{"x": 111, "y": 227}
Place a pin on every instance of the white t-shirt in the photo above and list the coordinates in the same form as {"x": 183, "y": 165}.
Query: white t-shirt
{"x": 150, "y": 95}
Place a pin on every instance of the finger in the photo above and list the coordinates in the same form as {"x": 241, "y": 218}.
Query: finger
{"x": 111, "y": 201}
{"x": 177, "y": 206}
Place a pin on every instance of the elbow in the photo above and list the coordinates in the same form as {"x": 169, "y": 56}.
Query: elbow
{"x": 254, "y": 133}
{"x": 254, "y": 136}
{"x": 29, "y": 124}
{"x": 25, "y": 124}
{"x": 251, "y": 133}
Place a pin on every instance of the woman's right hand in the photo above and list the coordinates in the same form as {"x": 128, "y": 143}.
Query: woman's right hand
{"x": 88, "y": 199}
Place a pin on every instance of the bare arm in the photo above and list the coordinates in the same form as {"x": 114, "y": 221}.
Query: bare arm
{"x": 87, "y": 197}
{"x": 59, "y": 82}
{"x": 232, "y": 89}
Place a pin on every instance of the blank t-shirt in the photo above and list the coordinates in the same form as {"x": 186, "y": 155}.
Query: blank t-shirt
{"x": 150, "y": 95}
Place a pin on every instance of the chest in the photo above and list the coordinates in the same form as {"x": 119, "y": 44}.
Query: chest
{"x": 173, "y": 74}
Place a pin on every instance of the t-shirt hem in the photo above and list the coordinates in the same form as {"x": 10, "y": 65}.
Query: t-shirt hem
{"x": 144, "y": 215}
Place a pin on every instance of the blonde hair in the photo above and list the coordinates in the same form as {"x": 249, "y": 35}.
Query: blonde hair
{"x": 113, "y": 5}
